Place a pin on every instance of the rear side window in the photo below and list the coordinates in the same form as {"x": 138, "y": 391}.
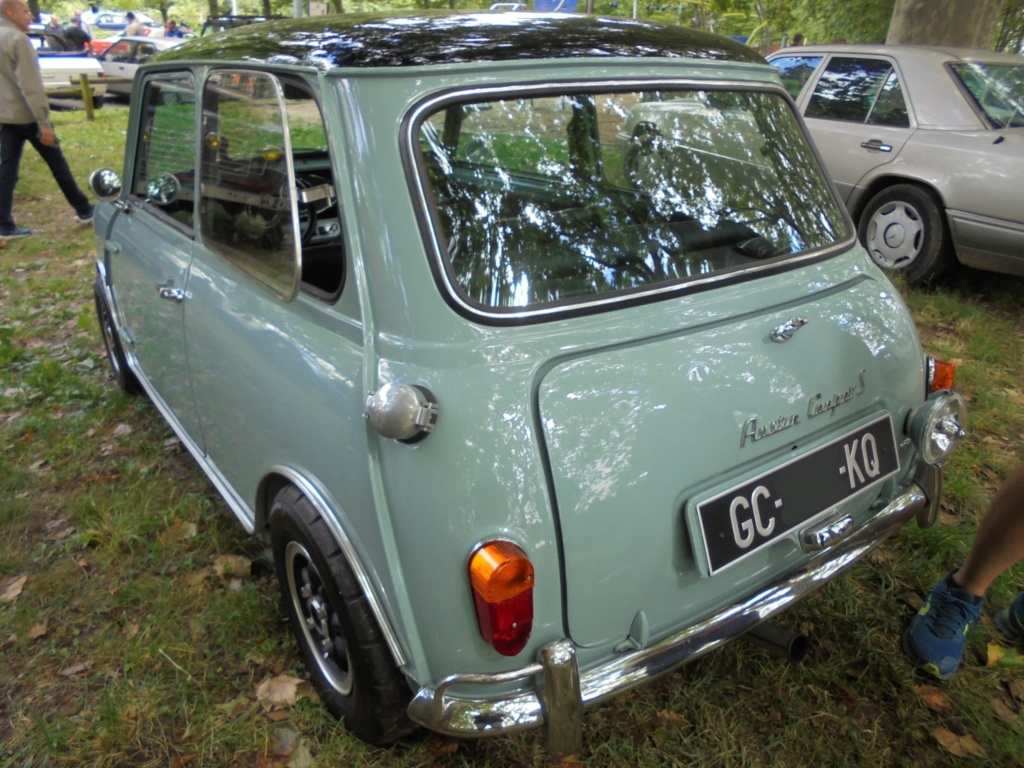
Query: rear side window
{"x": 795, "y": 71}
{"x": 853, "y": 89}
{"x": 564, "y": 197}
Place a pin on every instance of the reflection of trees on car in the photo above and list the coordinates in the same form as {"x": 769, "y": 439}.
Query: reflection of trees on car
{"x": 568, "y": 195}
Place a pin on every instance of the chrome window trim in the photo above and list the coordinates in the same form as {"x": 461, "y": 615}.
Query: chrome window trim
{"x": 423, "y": 205}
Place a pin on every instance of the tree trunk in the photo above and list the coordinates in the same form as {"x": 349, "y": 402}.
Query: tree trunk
{"x": 33, "y": 7}
{"x": 266, "y": 9}
{"x": 212, "y": 7}
{"x": 960, "y": 23}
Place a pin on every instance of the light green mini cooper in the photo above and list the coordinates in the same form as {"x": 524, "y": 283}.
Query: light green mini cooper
{"x": 539, "y": 348}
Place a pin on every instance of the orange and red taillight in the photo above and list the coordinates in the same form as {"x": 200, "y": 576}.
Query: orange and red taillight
{"x": 501, "y": 576}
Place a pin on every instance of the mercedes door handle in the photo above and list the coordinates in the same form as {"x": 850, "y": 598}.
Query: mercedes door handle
{"x": 167, "y": 291}
{"x": 876, "y": 144}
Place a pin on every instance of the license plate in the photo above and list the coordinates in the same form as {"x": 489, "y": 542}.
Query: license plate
{"x": 750, "y": 516}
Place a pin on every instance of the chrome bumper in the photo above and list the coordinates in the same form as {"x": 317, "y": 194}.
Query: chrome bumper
{"x": 560, "y": 692}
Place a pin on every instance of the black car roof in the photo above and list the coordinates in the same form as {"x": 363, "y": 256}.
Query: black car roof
{"x": 375, "y": 40}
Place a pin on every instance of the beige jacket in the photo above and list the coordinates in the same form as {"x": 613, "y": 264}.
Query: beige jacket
{"x": 22, "y": 96}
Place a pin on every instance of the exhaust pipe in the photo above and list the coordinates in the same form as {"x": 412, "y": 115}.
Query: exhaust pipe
{"x": 780, "y": 642}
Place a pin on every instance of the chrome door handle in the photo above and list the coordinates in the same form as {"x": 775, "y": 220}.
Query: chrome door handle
{"x": 876, "y": 144}
{"x": 167, "y": 291}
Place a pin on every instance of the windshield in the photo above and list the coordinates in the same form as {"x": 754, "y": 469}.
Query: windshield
{"x": 565, "y": 197}
{"x": 998, "y": 89}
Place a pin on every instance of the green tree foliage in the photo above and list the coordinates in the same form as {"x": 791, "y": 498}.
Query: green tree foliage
{"x": 864, "y": 21}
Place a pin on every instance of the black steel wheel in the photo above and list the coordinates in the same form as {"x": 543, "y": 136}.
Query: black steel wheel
{"x": 115, "y": 352}
{"x": 342, "y": 646}
{"x": 903, "y": 230}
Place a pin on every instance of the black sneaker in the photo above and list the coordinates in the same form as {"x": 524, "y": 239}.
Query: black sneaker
{"x": 1010, "y": 621}
{"x": 84, "y": 218}
{"x": 9, "y": 233}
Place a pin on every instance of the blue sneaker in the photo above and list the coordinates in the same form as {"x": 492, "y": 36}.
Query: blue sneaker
{"x": 935, "y": 639}
{"x": 1010, "y": 621}
{"x": 9, "y": 233}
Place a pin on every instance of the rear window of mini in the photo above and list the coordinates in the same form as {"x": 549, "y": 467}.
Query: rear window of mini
{"x": 562, "y": 197}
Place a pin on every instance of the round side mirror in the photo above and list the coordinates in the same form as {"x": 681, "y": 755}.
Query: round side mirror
{"x": 105, "y": 184}
{"x": 164, "y": 189}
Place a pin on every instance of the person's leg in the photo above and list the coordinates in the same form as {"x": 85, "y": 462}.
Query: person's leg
{"x": 12, "y": 139}
{"x": 999, "y": 543}
{"x": 936, "y": 637}
{"x": 54, "y": 158}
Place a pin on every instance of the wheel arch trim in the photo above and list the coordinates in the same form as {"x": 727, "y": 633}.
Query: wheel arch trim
{"x": 280, "y": 476}
{"x": 863, "y": 195}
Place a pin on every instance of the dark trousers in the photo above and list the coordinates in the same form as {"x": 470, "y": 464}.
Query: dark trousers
{"x": 12, "y": 141}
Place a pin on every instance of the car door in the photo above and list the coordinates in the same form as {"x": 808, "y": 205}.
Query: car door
{"x": 149, "y": 244}
{"x": 858, "y": 116}
{"x": 276, "y": 371}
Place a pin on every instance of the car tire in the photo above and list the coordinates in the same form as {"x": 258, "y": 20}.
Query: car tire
{"x": 342, "y": 646}
{"x": 903, "y": 230}
{"x": 115, "y": 352}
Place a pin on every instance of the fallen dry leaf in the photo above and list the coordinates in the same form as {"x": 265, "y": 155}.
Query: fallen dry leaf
{"x": 961, "y": 746}
{"x": 934, "y": 699}
{"x": 11, "y": 587}
{"x": 278, "y": 692}
{"x": 995, "y": 654}
{"x": 122, "y": 430}
{"x": 1007, "y": 715}
{"x": 666, "y": 718}
{"x": 74, "y": 669}
{"x": 38, "y": 630}
{"x": 227, "y": 566}
{"x": 1015, "y": 688}
{"x": 180, "y": 530}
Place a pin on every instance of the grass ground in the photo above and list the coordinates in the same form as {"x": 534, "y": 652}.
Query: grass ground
{"x": 133, "y": 631}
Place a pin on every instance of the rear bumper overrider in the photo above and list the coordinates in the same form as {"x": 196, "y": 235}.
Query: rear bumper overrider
{"x": 560, "y": 691}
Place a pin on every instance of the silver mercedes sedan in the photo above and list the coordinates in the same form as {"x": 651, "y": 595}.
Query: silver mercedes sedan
{"x": 926, "y": 147}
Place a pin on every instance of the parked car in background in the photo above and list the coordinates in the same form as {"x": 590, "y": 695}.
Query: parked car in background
{"x": 61, "y": 69}
{"x": 215, "y": 24}
{"x": 926, "y": 146}
{"x": 121, "y": 60}
{"x": 525, "y": 422}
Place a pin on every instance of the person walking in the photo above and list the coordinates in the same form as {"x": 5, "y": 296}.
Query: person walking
{"x": 134, "y": 27}
{"x": 936, "y": 637}
{"x": 25, "y": 116}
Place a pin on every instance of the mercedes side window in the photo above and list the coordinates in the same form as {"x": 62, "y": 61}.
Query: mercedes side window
{"x": 248, "y": 205}
{"x": 890, "y": 108}
{"x": 847, "y": 89}
{"x": 166, "y": 155}
{"x": 795, "y": 71}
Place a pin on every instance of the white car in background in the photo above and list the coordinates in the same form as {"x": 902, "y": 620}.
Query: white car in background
{"x": 61, "y": 69}
{"x": 122, "y": 59}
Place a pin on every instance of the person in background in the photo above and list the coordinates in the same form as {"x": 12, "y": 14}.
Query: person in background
{"x": 54, "y": 34}
{"x": 25, "y": 116}
{"x": 936, "y": 637}
{"x": 134, "y": 26}
{"x": 798, "y": 39}
{"x": 172, "y": 29}
{"x": 76, "y": 36}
